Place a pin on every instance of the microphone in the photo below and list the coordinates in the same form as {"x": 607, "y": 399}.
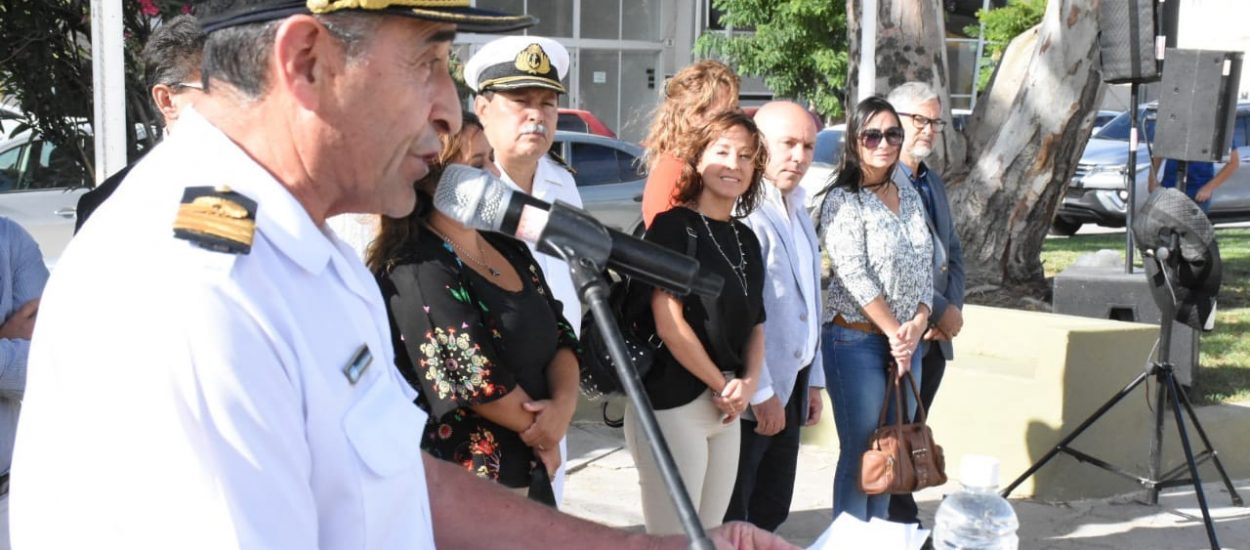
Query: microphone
{"x": 479, "y": 200}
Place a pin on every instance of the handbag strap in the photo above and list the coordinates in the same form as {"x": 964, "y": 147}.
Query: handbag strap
{"x": 893, "y": 394}
{"x": 911, "y": 382}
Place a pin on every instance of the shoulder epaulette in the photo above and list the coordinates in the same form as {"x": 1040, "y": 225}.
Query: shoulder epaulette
{"x": 216, "y": 218}
{"x": 560, "y": 161}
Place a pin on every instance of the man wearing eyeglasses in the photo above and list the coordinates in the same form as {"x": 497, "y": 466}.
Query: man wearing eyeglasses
{"x": 920, "y": 109}
{"x": 172, "y": 60}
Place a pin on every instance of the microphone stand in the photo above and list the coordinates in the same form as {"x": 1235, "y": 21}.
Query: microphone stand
{"x": 586, "y": 250}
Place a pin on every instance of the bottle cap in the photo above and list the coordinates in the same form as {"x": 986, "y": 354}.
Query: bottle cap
{"x": 978, "y": 471}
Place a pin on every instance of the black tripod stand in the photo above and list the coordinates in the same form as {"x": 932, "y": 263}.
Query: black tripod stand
{"x": 1161, "y": 370}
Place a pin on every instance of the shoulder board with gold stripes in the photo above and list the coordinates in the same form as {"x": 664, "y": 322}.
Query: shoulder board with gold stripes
{"x": 216, "y": 218}
{"x": 559, "y": 160}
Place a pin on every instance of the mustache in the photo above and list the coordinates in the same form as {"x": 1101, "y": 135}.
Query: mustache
{"x": 533, "y": 128}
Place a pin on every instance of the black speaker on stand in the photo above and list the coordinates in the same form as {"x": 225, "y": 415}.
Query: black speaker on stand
{"x": 1128, "y": 38}
{"x": 1197, "y": 105}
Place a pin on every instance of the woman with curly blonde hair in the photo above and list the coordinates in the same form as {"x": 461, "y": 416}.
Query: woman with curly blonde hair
{"x": 692, "y": 97}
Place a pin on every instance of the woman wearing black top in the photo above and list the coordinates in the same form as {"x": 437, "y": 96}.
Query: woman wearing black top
{"x": 707, "y": 370}
{"x": 478, "y": 333}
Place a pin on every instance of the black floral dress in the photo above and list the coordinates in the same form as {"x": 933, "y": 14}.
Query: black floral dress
{"x": 461, "y": 340}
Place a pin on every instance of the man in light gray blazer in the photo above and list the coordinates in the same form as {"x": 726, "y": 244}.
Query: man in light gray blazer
{"x": 920, "y": 111}
{"x": 789, "y": 388}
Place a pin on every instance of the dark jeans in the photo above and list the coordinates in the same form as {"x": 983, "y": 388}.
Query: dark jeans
{"x": 766, "y": 467}
{"x": 903, "y": 507}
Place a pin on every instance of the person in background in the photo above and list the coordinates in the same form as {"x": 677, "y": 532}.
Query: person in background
{"x": 477, "y": 329}
{"x": 709, "y": 366}
{"x": 236, "y": 387}
{"x": 172, "y": 62}
{"x": 880, "y": 295}
{"x": 788, "y": 395}
{"x": 517, "y": 82}
{"x": 921, "y": 111}
{"x": 22, "y": 278}
{"x": 692, "y": 97}
{"x": 1201, "y": 180}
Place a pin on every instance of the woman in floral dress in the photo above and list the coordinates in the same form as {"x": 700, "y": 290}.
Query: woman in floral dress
{"x": 478, "y": 333}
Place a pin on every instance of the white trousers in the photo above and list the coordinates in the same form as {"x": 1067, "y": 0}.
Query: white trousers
{"x": 706, "y": 453}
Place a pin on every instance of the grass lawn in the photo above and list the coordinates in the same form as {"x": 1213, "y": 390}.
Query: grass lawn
{"x": 1225, "y": 352}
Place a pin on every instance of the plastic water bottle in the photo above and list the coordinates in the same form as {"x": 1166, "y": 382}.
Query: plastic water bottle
{"x": 976, "y": 518}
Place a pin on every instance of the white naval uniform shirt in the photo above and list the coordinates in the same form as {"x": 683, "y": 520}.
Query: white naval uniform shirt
{"x": 185, "y": 398}
{"x": 552, "y": 183}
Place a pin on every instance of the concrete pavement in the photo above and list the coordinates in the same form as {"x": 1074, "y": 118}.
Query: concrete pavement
{"x": 603, "y": 486}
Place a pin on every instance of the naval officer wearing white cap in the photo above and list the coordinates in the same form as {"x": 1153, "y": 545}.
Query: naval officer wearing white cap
{"x": 517, "y": 81}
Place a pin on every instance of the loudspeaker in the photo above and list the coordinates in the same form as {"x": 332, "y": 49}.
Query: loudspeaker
{"x": 1110, "y": 293}
{"x": 1197, "y": 104}
{"x": 1126, "y": 38}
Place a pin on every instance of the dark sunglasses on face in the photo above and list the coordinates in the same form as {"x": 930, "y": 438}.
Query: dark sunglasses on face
{"x": 920, "y": 121}
{"x": 871, "y": 137}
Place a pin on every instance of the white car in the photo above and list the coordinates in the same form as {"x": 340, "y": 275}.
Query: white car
{"x": 39, "y": 188}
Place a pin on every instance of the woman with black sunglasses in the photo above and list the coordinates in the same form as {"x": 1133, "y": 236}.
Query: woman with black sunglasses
{"x": 879, "y": 292}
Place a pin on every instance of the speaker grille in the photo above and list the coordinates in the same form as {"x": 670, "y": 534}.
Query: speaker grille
{"x": 1126, "y": 35}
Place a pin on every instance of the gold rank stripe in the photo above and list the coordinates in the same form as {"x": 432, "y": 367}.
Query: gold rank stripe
{"x": 533, "y": 80}
{"x": 328, "y": 6}
{"x": 202, "y": 219}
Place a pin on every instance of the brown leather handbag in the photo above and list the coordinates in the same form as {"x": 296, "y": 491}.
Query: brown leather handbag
{"x": 901, "y": 458}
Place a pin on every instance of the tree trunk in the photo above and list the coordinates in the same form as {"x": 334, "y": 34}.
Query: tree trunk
{"x": 1024, "y": 138}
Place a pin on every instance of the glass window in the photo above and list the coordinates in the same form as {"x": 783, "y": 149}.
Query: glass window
{"x": 629, "y": 166}
{"x": 598, "y": 73}
{"x": 601, "y": 19}
{"x": 570, "y": 122}
{"x": 1241, "y": 131}
{"x": 639, "y": 93}
{"x": 10, "y": 170}
{"x": 595, "y": 164}
{"x": 1118, "y": 128}
{"x": 639, "y": 21}
{"x": 56, "y": 167}
{"x": 555, "y": 17}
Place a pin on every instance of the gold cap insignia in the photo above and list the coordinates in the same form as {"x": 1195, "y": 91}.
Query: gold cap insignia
{"x": 533, "y": 60}
{"x": 217, "y": 219}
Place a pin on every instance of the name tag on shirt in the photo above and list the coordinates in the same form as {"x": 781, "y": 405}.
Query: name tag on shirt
{"x": 359, "y": 364}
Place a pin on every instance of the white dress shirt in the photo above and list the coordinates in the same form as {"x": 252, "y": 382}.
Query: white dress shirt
{"x": 184, "y": 398}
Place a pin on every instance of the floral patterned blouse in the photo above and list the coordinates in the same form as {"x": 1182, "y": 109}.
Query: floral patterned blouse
{"x": 876, "y": 252}
{"x": 461, "y": 340}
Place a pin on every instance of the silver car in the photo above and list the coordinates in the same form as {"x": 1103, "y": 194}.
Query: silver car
{"x": 39, "y": 188}
{"x": 1097, "y": 194}
{"x": 609, "y": 175}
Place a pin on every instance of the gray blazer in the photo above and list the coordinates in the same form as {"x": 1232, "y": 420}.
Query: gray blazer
{"x": 787, "y": 322}
{"x": 948, "y": 256}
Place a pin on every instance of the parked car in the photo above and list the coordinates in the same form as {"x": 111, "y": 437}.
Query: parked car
{"x": 1097, "y": 192}
{"x": 825, "y": 157}
{"x": 609, "y": 175}
{"x": 1103, "y": 117}
{"x": 577, "y": 120}
{"x": 39, "y": 188}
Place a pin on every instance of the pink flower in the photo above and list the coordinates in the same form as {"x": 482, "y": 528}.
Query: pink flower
{"x": 186, "y": 9}
{"x": 148, "y": 8}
